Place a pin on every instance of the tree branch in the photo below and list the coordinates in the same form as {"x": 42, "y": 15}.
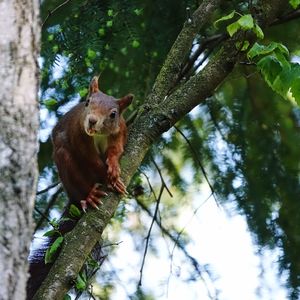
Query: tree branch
{"x": 50, "y": 13}
{"x": 176, "y": 58}
{"x": 149, "y": 231}
{"x": 151, "y": 122}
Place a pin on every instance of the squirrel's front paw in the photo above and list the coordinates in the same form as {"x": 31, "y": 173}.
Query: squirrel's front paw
{"x": 119, "y": 186}
{"x": 93, "y": 198}
{"x": 113, "y": 176}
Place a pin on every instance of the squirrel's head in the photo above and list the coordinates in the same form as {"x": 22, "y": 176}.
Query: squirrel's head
{"x": 103, "y": 112}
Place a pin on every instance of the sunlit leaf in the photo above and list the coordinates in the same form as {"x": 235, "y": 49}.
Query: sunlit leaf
{"x": 225, "y": 18}
{"x": 49, "y": 256}
{"x": 233, "y": 28}
{"x": 74, "y": 211}
{"x": 294, "y": 3}
{"x": 246, "y": 22}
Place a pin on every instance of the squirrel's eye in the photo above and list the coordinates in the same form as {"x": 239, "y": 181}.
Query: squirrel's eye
{"x": 113, "y": 115}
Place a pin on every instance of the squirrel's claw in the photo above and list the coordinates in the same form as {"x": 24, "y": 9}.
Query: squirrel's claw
{"x": 119, "y": 186}
{"x": 93, "y": 198}
{"x": 83, "y": 205}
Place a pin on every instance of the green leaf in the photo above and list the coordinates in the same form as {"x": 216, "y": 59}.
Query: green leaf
{"x": 55, "y": 48}
{"x": 138, "y": 11}
{"x": 246, "y": 22}
{"x": 270, "y": 68}
{"x": 87, "y": 62}
{"x": 53, "y": 249}
{"x": 91, "y": 54}
{"x": 110, "y": 12}
{"x": 227, "y": 17}
{"x": 258, "y": 31}
{"x": 101, "y": 31}
{"x": 50, "y": 37}
{"x": 242, "y": 47}
{"x": 135, "y": 44}
{"x": 54, "y": 223}
{"x": 67, "y": 297}
{"x": 260, "y": 50}
{"x": 74, "y": 211}
{"x": 295, "y": 83}
{"x": 109, "y": 23}
{"x": 124, "y": 51}
{"x": 294, "y": 3}
{"x": 295, "y": 90}
{"x": 233, "y": 28}
{"x": 50, "y": 103}
{"x": 50, "y": 232}
{"x": 80, "y": 283}
{"x": 83, "y": 92}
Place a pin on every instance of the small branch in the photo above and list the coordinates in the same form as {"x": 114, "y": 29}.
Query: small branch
{"x": 192, "y": 259}
{"x": 165, "y": 231}
{"x": 149, "y": 232}
{"x": 171, "y": 68}
{"x": 50, "y": 13}
{"x": 161, "y": 177}
{"x": 48, "y": 188}
{"x": 49, "y": 206}
{"x": 42, "y": 214}
{"x": 215, "y": 39}
{"x": 198, "y": 161}
{"x": 149, "y": 183}
{"x": 295, "y": 14}
{"x": 112, "y": 244}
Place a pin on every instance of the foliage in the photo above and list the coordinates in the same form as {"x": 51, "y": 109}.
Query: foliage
{"x": 254, "y": 115}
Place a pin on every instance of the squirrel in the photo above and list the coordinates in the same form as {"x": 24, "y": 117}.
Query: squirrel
{"x": 87, "y": 144}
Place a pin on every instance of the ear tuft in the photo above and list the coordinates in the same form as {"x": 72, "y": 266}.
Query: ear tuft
{"x": 94, "y": 88}
{"x": 125, "y": 102}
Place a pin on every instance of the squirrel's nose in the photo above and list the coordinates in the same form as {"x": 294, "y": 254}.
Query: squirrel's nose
{"x": 92, "y": 121}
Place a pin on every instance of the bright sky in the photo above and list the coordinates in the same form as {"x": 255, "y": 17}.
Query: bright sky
{"x": 218, "y": 239}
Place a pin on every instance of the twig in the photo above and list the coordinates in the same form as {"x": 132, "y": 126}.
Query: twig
{"x": 192, "y": 259}
{"x": 48, "y": 188}
{"x": 288, "y": 17}
{"x": 165, "y": 231}
{"x": 50, "y": 13}
{"x": 161, "y": 177}
{"x": 42, "y": 214}
{"x": 149, "y": 232}
{"x": 215, "y": 40}
{"x": 198, "y": 161}
{"x": 50, "y": 204}
{"x": 149, "y": 183}
{"x": 112, "y": 244}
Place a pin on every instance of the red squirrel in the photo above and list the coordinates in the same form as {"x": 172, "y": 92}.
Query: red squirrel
{"x": 88, "y": 142}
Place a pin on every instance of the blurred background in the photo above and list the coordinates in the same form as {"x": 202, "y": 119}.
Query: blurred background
{"x": 221, "y": 187}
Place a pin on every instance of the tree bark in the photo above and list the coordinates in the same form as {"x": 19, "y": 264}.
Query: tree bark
{"x": 159, "y": 113}
{"x": 19, "y": 48}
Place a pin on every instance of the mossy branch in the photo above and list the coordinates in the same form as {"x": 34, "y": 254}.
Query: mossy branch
{"x": 151, "y": 122}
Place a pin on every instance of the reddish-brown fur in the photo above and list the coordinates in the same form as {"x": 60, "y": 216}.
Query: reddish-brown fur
{"x": 80, "y": 165}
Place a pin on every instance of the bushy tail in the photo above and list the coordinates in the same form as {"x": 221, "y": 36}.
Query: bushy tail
{"x": 38, "y": 270}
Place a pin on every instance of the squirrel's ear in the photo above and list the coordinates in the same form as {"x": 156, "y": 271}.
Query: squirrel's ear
{"x": 125, "y": 101}
{"x": 94, "y": 88}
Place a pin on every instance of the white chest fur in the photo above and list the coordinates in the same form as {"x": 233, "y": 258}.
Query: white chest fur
{"x": 100, "y": 142}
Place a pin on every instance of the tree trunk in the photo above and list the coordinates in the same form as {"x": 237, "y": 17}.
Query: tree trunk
{"x": 19, "y": 49}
